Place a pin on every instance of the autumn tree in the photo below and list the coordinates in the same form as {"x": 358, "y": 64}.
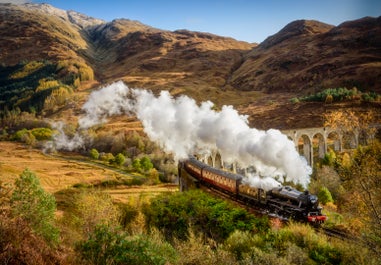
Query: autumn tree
{"x": 363, "y": 179}
{"x": 35, "y": 206}
{"x": 348, "y": 121}
{"x": 91, "y": 209}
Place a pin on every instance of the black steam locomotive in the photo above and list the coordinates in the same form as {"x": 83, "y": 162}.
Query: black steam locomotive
{"x": 283, "y": 201}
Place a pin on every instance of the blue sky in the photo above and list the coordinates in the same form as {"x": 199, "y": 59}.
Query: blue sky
{"x": 247, "y": 20}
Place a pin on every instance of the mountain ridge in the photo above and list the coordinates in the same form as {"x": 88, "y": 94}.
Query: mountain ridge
{"x": 296, "y": 28}
{"x": 304, "y": 57}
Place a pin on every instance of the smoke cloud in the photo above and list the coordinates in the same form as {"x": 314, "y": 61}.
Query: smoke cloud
{"x": 182, "y": 127}
{"x": 62, "y": 141}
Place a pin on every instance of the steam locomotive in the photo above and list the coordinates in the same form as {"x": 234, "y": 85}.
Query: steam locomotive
{"x": 283, "y": 201}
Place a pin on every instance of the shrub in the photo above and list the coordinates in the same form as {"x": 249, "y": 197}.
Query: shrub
{"x": 36, "y": 206}
{"x": 20, "y": 245}
{"x": 110, "y": 246}
{"x": 329, "y": 158}
{"x": 325, "y": 254}
{"x": 136, "y": 164}
{"x": 330, "y": 95}
{"x": 239, "y": 243}
{"x": 30, "y": 136}
{"x": 108, "y": 157}
{"x": 119, "y": 159}
{"x": 94, "y": 154}
{"x": 128, "y": 214}
{"x": 196, "y": 251}
{"x": 215, "y": 218}
{"x": 146, "y": 164}
{"x": 325, "y": 196}
{"x": 153, "y": 176}
{"x": 93, "y": 208}
{"x": 42, "y": 134}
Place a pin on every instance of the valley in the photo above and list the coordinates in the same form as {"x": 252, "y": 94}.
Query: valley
{"x": 107, "y": 191}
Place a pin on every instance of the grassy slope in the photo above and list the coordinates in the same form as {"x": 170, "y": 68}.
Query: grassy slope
{"x": 57, "y": 174}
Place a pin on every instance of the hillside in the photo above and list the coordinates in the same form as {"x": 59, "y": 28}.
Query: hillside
{"x": 51, "y": 59}
{"x": 307, "y": 56}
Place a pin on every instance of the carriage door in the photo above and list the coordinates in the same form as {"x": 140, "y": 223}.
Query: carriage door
{"x": 261, "y": 196}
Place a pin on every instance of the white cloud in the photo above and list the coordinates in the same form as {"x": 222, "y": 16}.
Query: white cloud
{"x": 17, "y": 2}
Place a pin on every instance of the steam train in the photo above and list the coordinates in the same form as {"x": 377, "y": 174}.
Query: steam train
{"x": 283, "y": 201}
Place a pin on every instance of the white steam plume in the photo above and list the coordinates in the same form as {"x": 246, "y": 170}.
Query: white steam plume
{"x": 266, "y": 183}
{"x": 184, "y": 128}
{"x": 61, "y": 141}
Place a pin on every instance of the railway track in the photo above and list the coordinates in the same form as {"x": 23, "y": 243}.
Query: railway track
{"x": 339, "y": 234}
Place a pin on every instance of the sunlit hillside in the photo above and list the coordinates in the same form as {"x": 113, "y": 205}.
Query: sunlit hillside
{"x": 53, "y": 58}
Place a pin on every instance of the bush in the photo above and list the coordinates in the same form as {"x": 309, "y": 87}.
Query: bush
{"x": 42, "y": 134}
{"x": 329, "y": 158}
{"x": 94, "y": 154}
{"x": 136, "y": 164}
{"x": 30, "y": 136}
{"x": 215, "y": 218}
{"x": 196, "y": 251}
{"x": 110, "y": 246}
{"x": 325, "y": 196}
{"x": 146, "y": 164}
{"x": 128, "y": 214}
{"x": 325, "y": 254}
{"x": 20, "y": 245}
{"x": 36, "y": 206}
{"x": 239, "y": 243}
{"x": 24, "y": 136}
{"x": 94, "y": 208}
{"x": 330, "y": 95}
{"x": 119, "y": 159}
{"x": 107, "y": 157}
{"x": 153, "y": 176}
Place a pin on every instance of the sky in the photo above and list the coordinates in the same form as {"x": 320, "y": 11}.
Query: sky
{"x": 246, "y": 20}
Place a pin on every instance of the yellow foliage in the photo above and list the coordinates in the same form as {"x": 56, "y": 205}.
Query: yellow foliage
{"x": 27, "y": 70}
{"x": 330, "y": 206}
{"x": 349, "y": 121}
{"x": 44, "y": 84}
{"x": 57, "y": 97}
{"x": 77, "y": 82}
{"x": 86, "y": 73}
{"x": 329, "y": 99}
{"x": 94, "y": 208}
{"x": 81, "y": 70}
{"x": 346, "y": 161}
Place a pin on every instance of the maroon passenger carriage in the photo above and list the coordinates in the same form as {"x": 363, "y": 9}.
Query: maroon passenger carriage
{"x": 284, "y": 201}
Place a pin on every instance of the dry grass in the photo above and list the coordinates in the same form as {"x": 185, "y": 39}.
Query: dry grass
{"x": 57, "y": 174}
{"x": 136, "y": 195}
{"x": 54, "y": 174}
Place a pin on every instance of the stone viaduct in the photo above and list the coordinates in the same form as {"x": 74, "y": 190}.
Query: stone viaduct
{"x": 312, "y": 143}
{"x": 315, "y": 142}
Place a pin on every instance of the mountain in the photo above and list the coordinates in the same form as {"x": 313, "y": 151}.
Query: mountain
{"x": 48, "y": 55}
{"x": 306, "y": 56}
{"x": 84, "y": 49}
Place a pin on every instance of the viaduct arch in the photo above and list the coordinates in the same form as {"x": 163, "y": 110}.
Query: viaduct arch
{"x": 312, "y": 143}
